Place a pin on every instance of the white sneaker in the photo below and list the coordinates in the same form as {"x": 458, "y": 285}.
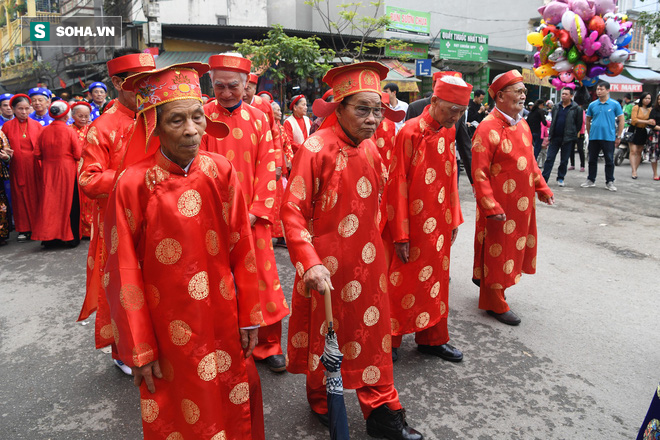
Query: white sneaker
{"x": 561, "y": 183}
{"x": 610, "y": 186}
{"x": 123, "y": 367}
{"x": 588, "y": 184}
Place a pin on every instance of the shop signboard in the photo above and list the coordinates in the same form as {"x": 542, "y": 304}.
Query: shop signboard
{"x": 407, "y": 21}
{"x": 464, "y": 46}
{"x": 414, "y": 50}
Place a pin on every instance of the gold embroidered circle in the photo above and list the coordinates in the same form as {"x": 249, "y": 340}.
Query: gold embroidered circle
{"x": 493, "y": 137}
{"x": 351, "y": 350}
{"x": 521, "y": 164}
{"x": 507, "y": 146}
{"x": 523, "y": 203}
{"x": 440, "y": 243}
{"x": 394, "y": 325}
{"x": 425, "y": 273}
{"x": 429, "y": 225}
{"x": 190, "y": 411}
{"x": 509, "y": 226}
{"x": 207, "y": 369}
{"x": 531, "y": 241}
{"x": 114, "y": 240}
{"x": 441, "y": 145}
{"x": 386, "y": 343}
{"x": 222, "y": 435}
{"x": 237, "y": 133}
{"x": 331, "y": 264}
{"x": 131, "y": 297}
{"x": 251, "y": 261}
{"x": 429, "y": 176}
{"x": 371, "y": 375}
{"x": 227, "y": 288}
{"x": 142, "y": 354}
{"x": 395, "y": 279}
{"x": 256, "y": 316}
{"x": 297, "y": 188}
{"x": 363, "y": 187}
{"x": 441, "y": 195}
{"x": 314, "y": 144}
{"x": 487, "y": 203}
{"x": 435, "y": 289}
{"x": 495, "y": 250}
{"x": 300, "y": 340}
{"x": 348, "y": 225}
{"x": 371, "y": 316}
{"x": 520, "y": 243}
{"x": 212, "y": 242}
{"x": 245, "y": 115}
{"x": 508, "y": 267}
{"x": 175, "y": 436}
{"x": 189, "y": 203}
{"x": 407, "y": 301}
{"x": 422, "y": 320}
{"x": 414, "y": 254}
{"x": 313, "y": 362}
{"x": 351, "y": 291}
{"x": 180, "y": 332}
{"x": 106, "y": 331}
{"x": 509, "y": 186}
{"x": 198, "y": 286}
{"x": 168, "y": 251}
{"x": 495, "y": 169}
{"x": 369, "y": 253}
{"x": 149, "y": 409}
{"x": 416, "y": 206}
{"x": 382, "y": 282}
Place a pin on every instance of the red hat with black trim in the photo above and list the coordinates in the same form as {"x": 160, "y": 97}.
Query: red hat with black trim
{"x": 19, "y": 95}
{"x": 328, "y": 93}
{"x": 83, "y": 104}
{"x": 230, "y": 62}
{"x": 504, "y": 80}
{"x": 134, "y": 63}
{"x": 294, "y": 100}
{"x": 263, "y": 92}
{"x": 453, "y": 89}
{"x": 59, "y": 109}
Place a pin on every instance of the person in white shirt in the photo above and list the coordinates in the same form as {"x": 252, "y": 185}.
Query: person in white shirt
{"x": 396, "y": 104}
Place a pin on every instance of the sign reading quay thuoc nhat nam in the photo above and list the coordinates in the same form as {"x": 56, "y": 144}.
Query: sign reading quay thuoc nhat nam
{"x": 464, "y": 46}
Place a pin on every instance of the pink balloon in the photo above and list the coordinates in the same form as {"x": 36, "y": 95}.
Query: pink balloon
{"x": 553, "y": 12}
{"x": 602, "y": 7}
{"x": 583, "y": 8}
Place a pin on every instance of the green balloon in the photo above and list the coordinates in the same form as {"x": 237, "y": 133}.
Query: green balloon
{"x": 573, "y": 55}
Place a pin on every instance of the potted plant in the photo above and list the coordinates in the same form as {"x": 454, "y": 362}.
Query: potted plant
{"x": 12, "y": 61}
{"x": 21, "y": 8}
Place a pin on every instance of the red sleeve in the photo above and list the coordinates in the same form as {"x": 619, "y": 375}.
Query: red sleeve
{"x": 95, "y": 179}
{"x": 483, "y": 151}
{"x": 397, "y": 185}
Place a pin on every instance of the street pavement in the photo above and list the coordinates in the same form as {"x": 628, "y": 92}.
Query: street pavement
{"x": 581, "y": 365}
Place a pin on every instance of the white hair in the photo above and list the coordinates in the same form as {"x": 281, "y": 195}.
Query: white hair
{"x": 230, "y": 54}
{"x": 58, "y": 107}
{"x": 75, "y": 109}
{"x": 455, "y": 80}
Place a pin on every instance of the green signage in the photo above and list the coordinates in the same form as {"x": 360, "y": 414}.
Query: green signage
{"x": 464, "y": 46}
{"x": 479, "y": 79}
{"x": 407, "y": 21}
{"x": 415, "y": 50}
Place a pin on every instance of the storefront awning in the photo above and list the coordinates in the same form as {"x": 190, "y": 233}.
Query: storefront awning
{"x": 172, "y": 57}
{"x": 511, "y": 63}
{"x": 623, "y": 84}
{"x": 643, "y": 75}
{"x": 406, "y": 84}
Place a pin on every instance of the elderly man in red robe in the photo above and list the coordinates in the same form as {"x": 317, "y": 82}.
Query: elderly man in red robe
{"x": 249, "y": 147}
{"x": 101, "y": 157}
{"x": 80, "y": 113}
{"x": 424, "y": 213}
{"x": 331, "y": 219}
{"x": 59, "y": 150}
{"x": 506, "y": 177}
{"x": 181, "y": 287}
{"x": 386, "y": 134}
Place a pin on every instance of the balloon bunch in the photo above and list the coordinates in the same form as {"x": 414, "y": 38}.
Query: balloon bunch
{"x": 579, "y": 40}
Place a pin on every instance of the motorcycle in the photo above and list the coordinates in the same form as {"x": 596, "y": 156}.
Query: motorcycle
{"x": 623, "y": 151}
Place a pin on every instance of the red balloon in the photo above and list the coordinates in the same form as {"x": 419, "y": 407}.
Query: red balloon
{"x": 580, "y": 70}
{"x": 591, "y": 59}
{"x": 550, "y": 28}
{"x": 564, "y": 38}
{"x": 613, "y": 69}
{"x": 596, "y": 24}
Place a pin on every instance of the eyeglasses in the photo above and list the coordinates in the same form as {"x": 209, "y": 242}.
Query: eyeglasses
{"x": 362, "y": 111}
{"x": 517, "y": 91}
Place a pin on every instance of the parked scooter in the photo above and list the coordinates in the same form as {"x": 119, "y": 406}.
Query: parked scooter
{"x": 623, "y": 151}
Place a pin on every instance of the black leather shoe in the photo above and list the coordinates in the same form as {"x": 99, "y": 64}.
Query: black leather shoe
{"x": 476, "y": 282}
{"x": 446, "y": 351}
{"x": 395, "y": 354}
{"x": 323, "y": 418}
{"x": 276, "y": 363}
{"x": 508, "y": 318}
{"x": 385, "y": 423}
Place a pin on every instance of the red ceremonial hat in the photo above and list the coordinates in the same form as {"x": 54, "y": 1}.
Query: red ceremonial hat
{"x": 230, "y": 62}
{"x": 453, "y": 89}
{"x": 438, "y": 75}
{"x": 398, "y": 115}
{"x": 158, "y": 87}
{"x": 294, "y": 100}
{"x": 19, "y": 95}
{"x": 82, "y": 103}
{"x": 134, "y": 63}
{"x": 63, "y": 107}
{"x": 263, "y": 92}
{"x": 205, "y": 96}
{"x": 252, "y": 78}
{"x": 504, "y": 80}
{"x": 328, "y": 93}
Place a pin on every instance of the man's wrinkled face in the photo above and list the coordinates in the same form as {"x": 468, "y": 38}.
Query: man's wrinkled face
{"x": 356, "y": 115}
{"x": 250, "y": 90}
{"x": 512, "y": 98}
{"x": 98, "y": 95}
{"x": 5, "y": 108}
{"x": 181, "y": 125}
{"x": 40, "y": 104}
{"x": 446, "y": 113}
{"x": 300, "y": 108}
{"x": 80, "y": 116}
{"x": 228, "y": 87}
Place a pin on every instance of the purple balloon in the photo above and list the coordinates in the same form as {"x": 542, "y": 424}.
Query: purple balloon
{"x": 606, "y": 46}
{"x": 537, "y": 59}
{"x": 602, "y": 7}
{"x": 583, "y": 9}
{"x": 553, "y": 12}
{"x": 596, "y": 70}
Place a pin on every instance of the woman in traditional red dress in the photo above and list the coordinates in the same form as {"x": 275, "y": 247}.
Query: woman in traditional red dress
{"x": 80, "y": 113}
{"x": 25, "y": 169}
{"x": 298, "y": 124}
{"x": 278, "y": 232}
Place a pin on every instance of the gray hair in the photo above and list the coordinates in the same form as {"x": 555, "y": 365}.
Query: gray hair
{"x": 244, "y": 76}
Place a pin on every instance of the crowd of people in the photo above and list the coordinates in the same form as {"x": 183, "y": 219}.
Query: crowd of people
{"x": 184, "y": 198}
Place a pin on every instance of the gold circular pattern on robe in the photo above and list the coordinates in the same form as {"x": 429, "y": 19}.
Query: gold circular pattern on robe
{"x": 520, "y": 243}
{"x": 230, "y": 155}
{"x": 167, "y": 369}
{"x": 190, "y": 411}
{"x": 523, "y": 203}
{"x": 425, "y": 273}
{"x": 386, "y": 344}
{"x": 313, "y": 362}
{"x": 407, "y": 301}
{"x": 371, "y": 316}
{"x": 351, "y": 291}
{"x": 445, "y": 263}
{"x": 485, "y": 269}
{"x": 115, "y": 331}
{"x": 106, "y": 280}
{"x": 258, "y": 124}
{"x": 297, "y": 188}
{"x": 222, "y": 435}
{"x": 364, "y": 187}
{"x": 390, "y": 212}
{"x": 509, "y": 226}
{"x": 441, "y": 145}
{"x": 422, "y": 320}
{"x": 435, "y": 289}
{"x": 441, "y": 195}
{"x": 114, "y": 240}
{"x": 198, "y": 286}
{"x": 130, "y": 219}
{"x": 429, "y": 225}
{"x": 371, "y": 375}
{"x": 521, "y": 164}
{"x": 417, "y": 157}
{"x": 272, "y": 185}
{"x": 270, "y": 166}
{"x": 351, "y": 350}
{"x": 261, "y": 243}
{"x": 508, "y": 267}
{"x": 480, "y": 236}
{"x": 403, "y": 189}
{"x": 448, "y": 167}
{"x": 380, "y": 142}
{"x": 300, "y": 269}
{"x": 256, "y": 317}
{"x": 369, "y": 253}
{"x": 207, "y": 166}
{"x": 495, "y": 250}
{"x": 331, "y": 264}
{"x": 314, "y": 144}
{"x": 227, "y": 287}
{"x": 131, "y": 297}
{"x": 149, "y": 409}
{"x": 395, "y": 279}
{"x": 245, "y": 115}
{"x": 300, "y": 340}
{"x": 247, "y": 157}
{"x": 440, "y": 243}
{"x": 448, "y": 216}
{"x": 507, "y": 146}
{"x": 443, "y": 308}
{"x": 180, "y": 332}
{"x": 348, "y": 225}
{"x": 143, "y": 354}
{"x": 494, "y": 137}
{"x": 495, "y": 169}
{"x": 394, "y": 325}
{"x": 306, "y": 236}
{"x": 416, "y": 206}
{"x": 251, "y": 261}
{"x": 430, "y": 176}
{"x": 269, "y": 202}
{"x": 168, "y": 251}
{"x": 526, "y": 141}
{"x": 393, "y": 162}
{"x": 480, "y": 175}
{"x": 414, "y": 254}
{"x": 531, "y": 241}
{"x": 531, "y": 179}
{"x": 509, "y": 186}
{"x": 237, "y": 133}
{"x": 106, "y": 331}
{"x": 476, "y": 273}
{"x": 328, "y": 200}
{"x": 408, "y": 147}
{"x": 382, "y": 282}
{"x": 300, "y": 288}
{"x": 534, "y": 263}
{"x": 516, "y": 280}
{"x": 212, "y": 242}
{"x": 90, "y": 262}
{"x": 189, "y": 203}
{"x": 271, "y": 306}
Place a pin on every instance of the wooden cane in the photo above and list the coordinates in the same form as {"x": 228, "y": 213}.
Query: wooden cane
{"x": 328, "y": 307}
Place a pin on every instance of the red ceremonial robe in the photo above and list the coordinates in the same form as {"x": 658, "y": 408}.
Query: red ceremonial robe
{"x": 506, "y": 177}
{"x": 286, "y": 153}
{"x": 422, "y": 208}
{"x": 24, "y": 172}
{"x": 58, "y": 149}
{"x": 384, "y": 138}
{"x": 249, "y": 147}
{"x": 107, "y": 139}
{"x": 331, "y": 216}
{"x": 86, "y": 204}
{"x": 297, "y": 134}
{"x": 178, "y": 243}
